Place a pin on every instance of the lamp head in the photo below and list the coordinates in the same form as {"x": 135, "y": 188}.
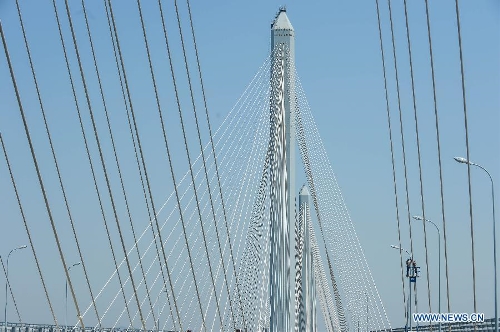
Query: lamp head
{"x": 461, "y": 160}
{"x": 395, "y": 247}
{"x": 418, "y": 217}
{"x": 22, "y": 247}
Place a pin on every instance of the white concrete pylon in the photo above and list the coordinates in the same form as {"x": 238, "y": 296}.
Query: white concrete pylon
{"x": 307, "y": 315}
{"x": 282, "y": 174}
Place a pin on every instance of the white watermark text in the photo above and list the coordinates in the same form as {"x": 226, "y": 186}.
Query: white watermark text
{"x": 448, "y": 317}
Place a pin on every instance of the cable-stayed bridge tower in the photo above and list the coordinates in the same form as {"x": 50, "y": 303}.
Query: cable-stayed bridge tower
{"x": 282, "y": 174}
{"x": 306, "y": 292}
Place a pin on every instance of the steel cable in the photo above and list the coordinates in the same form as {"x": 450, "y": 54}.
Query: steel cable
{"x": 441, "y": 187}
{"x": 256, "y": 212}
{"x": 402, "y": 139}
{"x": 142, "y": 157}
{"x": 126, "y": 97}
{"x": 321, "y": 160}
{"x": 333, "y": 210}
{"x": 401, "y": 126}
{"x": 326, "y": 299}
{"x": 56, "y": 163}
{"x": 419, "y": 159}
{"x": 462, "y": 75}
{"x": 311, "y": 182}
{"x": 233, "y": 142}
{"x": 114, "y": 150}
{"x": 215, "y": 157}
{"x": 392, "y": 159}
{"x": 39, "y": 176}
{"x": 26, "y": 226}
{"x": 251, "y": 256}
{"x": 103, "y": 164}
{"x": 241, "y": 204}
{"x": 202, "y": 157}
{"x": 169, "y": 156}
{"x": 88, "y": 151}
{"x": 175, "y": 262}
{"x": 232, "y": 116}
{"x": 186, "y": 144}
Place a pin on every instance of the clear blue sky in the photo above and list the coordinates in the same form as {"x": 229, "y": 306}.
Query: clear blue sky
{"x": 339, "y": 63}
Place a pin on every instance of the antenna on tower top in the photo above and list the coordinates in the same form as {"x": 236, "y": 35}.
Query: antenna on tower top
{"x": 282, "y": 9}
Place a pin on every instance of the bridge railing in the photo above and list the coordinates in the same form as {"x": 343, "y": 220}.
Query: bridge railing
{"x": 487, "y": 325}
{"x": 21, "y": 327}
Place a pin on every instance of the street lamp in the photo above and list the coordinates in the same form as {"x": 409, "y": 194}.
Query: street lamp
{"x": 439, "y": 262}
{"x": 399, "y": 248}
{"x": 409, "y": 285}
{"x": 465, "y": 161}
{"x": 66, "y": 298}
{"x": 6, "y": 282}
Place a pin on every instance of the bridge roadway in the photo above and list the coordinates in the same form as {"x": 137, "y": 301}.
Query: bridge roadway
{"x": 21, "y": 327}
{"x": 487, "y": 326}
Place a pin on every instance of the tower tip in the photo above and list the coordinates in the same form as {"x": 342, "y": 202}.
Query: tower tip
{"x": 281, "y": 21}
{"x": 304, "y": 191}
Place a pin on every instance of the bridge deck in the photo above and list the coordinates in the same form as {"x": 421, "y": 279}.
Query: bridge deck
{"x": 487, "y": 325}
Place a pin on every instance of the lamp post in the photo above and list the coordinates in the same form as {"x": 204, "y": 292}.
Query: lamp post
{"x": 66, "y": 298}
{"x": 439, "y": 262}
{"x": 465, "y": 161}
{"x": 409, "y": 285}
{"x": 6, "y": 282}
